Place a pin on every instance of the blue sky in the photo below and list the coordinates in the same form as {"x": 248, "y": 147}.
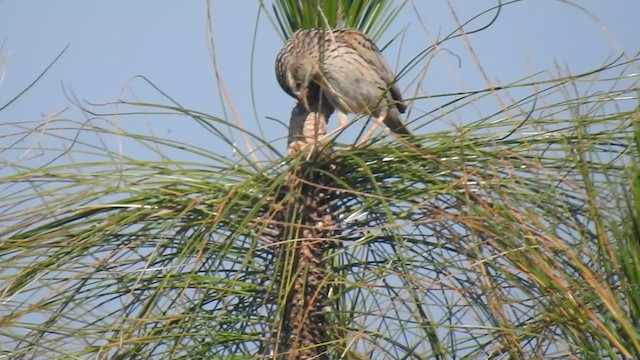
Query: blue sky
{"x": 110, "y": 42}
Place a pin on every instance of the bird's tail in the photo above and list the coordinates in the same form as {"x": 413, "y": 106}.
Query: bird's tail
{"x": 395, "y": 123}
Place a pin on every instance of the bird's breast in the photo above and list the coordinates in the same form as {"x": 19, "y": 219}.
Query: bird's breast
{"x": 352, "y": 86}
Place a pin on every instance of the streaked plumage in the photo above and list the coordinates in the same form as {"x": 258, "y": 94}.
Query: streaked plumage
{"x": 349, "y": 70}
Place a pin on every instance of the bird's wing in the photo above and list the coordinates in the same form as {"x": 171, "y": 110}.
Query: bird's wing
{"x": 370, "y": 52}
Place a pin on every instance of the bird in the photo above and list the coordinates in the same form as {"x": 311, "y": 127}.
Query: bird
{"x": 344, "y": 67}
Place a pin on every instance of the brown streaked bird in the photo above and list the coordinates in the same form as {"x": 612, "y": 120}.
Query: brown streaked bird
{"x": 349, "y": 70}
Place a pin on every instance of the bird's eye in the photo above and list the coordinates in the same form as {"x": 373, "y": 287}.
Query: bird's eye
{"x": 298, "y": 85}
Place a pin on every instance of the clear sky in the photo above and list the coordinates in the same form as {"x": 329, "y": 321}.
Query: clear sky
{"x": 110, "y": 42}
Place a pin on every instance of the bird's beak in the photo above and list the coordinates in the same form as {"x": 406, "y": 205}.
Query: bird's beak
{"x": 304, "y": 100}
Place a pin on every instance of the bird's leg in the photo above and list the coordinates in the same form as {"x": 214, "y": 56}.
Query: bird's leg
{"x": 383, "y": 110}
{"x": 343, "y": 122}
{"x": 376, "y": 122}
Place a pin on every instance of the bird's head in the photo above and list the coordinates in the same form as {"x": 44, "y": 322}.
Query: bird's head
{"x": 299, "y": 79}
